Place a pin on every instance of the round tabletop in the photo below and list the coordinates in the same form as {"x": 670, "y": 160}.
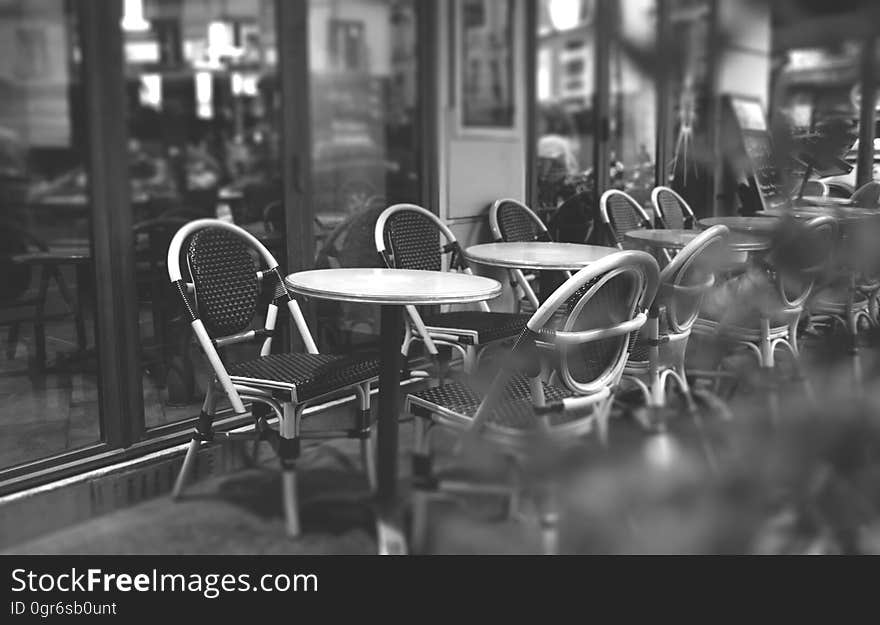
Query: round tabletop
{"x": 393, "y": 286}
{"x": 818, "y": 200}
{"x": 852, "y": 213}
{"x": 753, "y": 225}
{"x": 676, "y": 239}
{"x": 538, "y": 255}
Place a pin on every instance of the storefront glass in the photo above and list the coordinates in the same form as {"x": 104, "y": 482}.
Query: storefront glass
{"x": 49, "y": 377}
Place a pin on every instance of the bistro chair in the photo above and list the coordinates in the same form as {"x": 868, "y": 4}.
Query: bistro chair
{"x": 814, "y": 188}
{"x": 621, "y": 214}
{"x": 672, "y": 210}
{"x": 867, "y": 196}
{"x": 511, "y": 221}
{"x": 659, "y": 352}
{"x": 409, "y": 237}
{"x": 799, "y": 257}
{"x": 222, "y": 301}
{"x": 604, "y": 306}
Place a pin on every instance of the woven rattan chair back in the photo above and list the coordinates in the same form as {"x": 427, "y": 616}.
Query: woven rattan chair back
{"x": 672, "y": 209}
{"x": 223, "y": 260}
{"x": 408, "y": 237}
{"x": 512, "y": 221}
{"x": 603, "y": 305}
{"x": 688, "y": 276}
{"x": 224, "y": 275}
{"x": 621, "y": 213}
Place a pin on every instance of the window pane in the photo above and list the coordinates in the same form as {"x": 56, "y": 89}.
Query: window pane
{"x": 365, "y": 153}
{"x": 633, "y": 99}
{"x": 48, "y": 371}
{"x": 565, "y": 83}
{"x": 204, "y": 123}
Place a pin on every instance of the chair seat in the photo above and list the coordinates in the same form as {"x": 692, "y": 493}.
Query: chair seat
{"x": 456, "y": 403}
{"x": 305, "y": 376}
{"x": 834, "y": 301}
{"x": 476, "y": 327}
{"x": 778, "y": 329}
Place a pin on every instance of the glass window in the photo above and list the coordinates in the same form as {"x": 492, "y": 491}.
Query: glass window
{"x": 49, "y": 376}
{"x": 564, "y": 113}
{"x": 204, "y": 122}
{"x": 633, "y": 110}
{"x": 363, "y": 59}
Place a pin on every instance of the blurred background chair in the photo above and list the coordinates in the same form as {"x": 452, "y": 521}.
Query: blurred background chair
{"x": 621, "y": 214}
{"x": 409, "y": 237}
{"x": 867, "y": 196}
{"x": 511, "y": 221}
{"x": 659, "y": 352}
{"x": 671, "y": 209}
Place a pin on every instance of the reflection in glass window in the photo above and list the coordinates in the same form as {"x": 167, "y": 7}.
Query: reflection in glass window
{"x": 203, "y": 122}
{"x": 48, "y": 368}
{"x": 365, "y": 147}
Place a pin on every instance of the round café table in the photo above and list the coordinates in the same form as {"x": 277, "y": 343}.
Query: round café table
{"x": 392, "y": 289}
{"x": 537, "y": 255}
{"x": 676, "y": 239}
{"x": 848, "y": 214}
{"x": 752, "y": 225}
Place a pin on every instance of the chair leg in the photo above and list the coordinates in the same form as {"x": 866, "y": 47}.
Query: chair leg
{"x": 188, "y": 463}
{"x": 549, "y": 521}
{"x": 423, "y": 484}
{"x": 204, "y": 433}
{"x": 288, "y": 450}
{"x": 365, "y": 430}
{"x": 12, "y": 340}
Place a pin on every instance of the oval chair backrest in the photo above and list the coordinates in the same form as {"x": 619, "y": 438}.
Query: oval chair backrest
{"x": 815, "y": 188}
{"x": 801, "y": 255}
{"x": 867, "y": 196}
{"x": 223, "y": 261}
{"x": 512, "y": 221}
{"x": 688, "y": 276}
{"x": 672, "y": 209}
{"x": 407, "y": 236}
{"x": 604, "y": 306}
{"x": 621, "y": 213}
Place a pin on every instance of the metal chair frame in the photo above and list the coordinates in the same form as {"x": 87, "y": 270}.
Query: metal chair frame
{"x": 595, "y": 396}
{"x": 274, "y": 396}
{"x": 667, "y": 346}
{"x": 764, "y": 340}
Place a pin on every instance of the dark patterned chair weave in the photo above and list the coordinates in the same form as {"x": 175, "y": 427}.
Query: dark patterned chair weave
{"x": 306, "y": 375}
{"x": 514, "y": 410}
{"x": 623, "y": 216}
{"x": 610, "y": 305}
{"x": 674, "y": 216}
{"x": 489, "y": 326}
{"x": 516, "y": 225}
{"x": 224, "y": 274}
{"x": 413, "y": 240}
